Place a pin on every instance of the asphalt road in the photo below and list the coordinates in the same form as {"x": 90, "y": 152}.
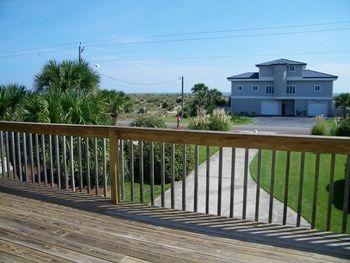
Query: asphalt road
{"x": 280, "y": 125}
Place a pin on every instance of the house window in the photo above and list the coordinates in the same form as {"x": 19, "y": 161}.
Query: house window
{"x": 290, "y": 89}
{"x": 317, "y": 88}
{"x": 255, "y": 88}
{"x": 270, "y": 90}
{"x": 239, "y": 88}
{"x": 291, "y": 68}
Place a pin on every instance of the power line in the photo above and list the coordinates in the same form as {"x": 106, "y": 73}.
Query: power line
{"x": 138, "y": 83}
{"x": 220, "y": 37}
{"x": 226, "y": 31}
{"x": 36, "y": 50}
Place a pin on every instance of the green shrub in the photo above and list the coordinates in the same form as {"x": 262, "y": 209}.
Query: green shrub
{"x": 150, "y": 121}
{"x": 219, "y": 121}
{"x": 200, "y": 122}
{"x": 343, "y": 128}
{"x": 319, "y": 129}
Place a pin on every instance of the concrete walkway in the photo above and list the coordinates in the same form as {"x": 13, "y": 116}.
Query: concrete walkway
{"x": 238, "y": 191}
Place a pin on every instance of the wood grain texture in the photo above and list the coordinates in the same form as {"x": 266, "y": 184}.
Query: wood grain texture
{"x": 90, "y": 229}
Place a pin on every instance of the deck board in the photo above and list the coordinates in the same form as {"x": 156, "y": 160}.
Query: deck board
{"x": 42, "y": 224}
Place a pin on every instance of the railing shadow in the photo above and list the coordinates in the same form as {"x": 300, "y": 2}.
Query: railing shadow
{"x": 327, "y": 243}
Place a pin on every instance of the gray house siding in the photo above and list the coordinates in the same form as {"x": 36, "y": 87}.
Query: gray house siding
{"x": 305, "y": 101}
{"x": 247, "y": 88}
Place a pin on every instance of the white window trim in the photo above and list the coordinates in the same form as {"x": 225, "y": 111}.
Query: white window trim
{"x": 319, "y": 90}
{"x": 257, "y": 88}
{"x": 295, "y": 90}
{"x": 239, "y": 86}
{"x": 290, "y": 68}
{"x": 272, "y": 88}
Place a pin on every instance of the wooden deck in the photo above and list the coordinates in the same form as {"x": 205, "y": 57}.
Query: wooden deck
{"x": 43, "y": 224}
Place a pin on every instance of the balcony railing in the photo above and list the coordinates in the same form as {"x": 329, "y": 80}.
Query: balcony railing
{"x": 138, "y": 164}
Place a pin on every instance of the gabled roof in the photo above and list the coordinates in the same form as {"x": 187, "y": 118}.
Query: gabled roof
{"x": 247, "y": 75}
{"x": 315, "y": 74}
{"x": 281, "y": 61}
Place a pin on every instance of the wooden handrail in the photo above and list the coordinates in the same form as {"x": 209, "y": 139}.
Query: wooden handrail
{"x": 302, "y": 143}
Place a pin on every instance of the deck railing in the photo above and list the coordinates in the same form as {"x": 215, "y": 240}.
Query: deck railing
{"x": 138, "y": 164}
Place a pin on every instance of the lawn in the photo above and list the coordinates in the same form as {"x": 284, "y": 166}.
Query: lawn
{"x": 157, "y": 187}
{"x": 336, "y": 219}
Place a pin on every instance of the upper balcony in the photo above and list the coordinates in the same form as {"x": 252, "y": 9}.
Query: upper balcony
{"x": 105, "y": 193}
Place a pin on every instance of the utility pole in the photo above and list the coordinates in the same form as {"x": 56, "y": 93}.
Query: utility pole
{"x": 81, "y": 49}
{"x": 182, "y": 96}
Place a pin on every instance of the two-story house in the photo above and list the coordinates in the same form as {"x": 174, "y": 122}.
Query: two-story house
{"x": 282, "y": 87}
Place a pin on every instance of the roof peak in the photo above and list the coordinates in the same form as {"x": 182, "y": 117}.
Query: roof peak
{"x": 281, "y": 61}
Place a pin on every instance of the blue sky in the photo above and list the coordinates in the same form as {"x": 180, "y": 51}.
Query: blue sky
{"x": 152, "y": 42}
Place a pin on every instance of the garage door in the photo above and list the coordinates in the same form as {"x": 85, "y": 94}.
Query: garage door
{"x": 315, "y": 108}
{"x": 270, "y": 107}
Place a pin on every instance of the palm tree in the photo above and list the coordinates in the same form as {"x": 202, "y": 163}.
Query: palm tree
{"x": 343, "y": 101}
{"x": 11, "y": 98}
{"x": 67, "y": 75}
{"x": 116, "y": 102}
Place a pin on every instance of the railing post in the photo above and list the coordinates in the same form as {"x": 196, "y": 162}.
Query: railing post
{"x": 114, "y": 165}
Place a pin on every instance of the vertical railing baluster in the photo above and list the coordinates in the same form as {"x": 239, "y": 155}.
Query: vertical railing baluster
{"x": 258, "y": 182}
{"x": 96, "y": 166}
{"x": 43, "y": 148}
{"x": 245, "y": 183}
{"x": 152, "y": 173}
{"x": 196, "y": 164}
{"x": 37, "y": 155}
{"x": 232, "y": 186}
{"x": 58, "y": 164}
{"x": 346, "y": 195}
{"x": 330, "y": 193}
{"x": 301, "y": 185}
{"x": 25, "y": 156}
{"x": 80, "y": 165}
{"x": 132, "y": 171}
{"x": 87, "y": 164}
{"x": 31, "y": 156}
{"x": 15, "y": 174}
{"x": 72, "y": 162}
{"x": 184, "y": 172}
{"x": 172, "y": 167}
{"x": 272, "y": 185}
{"x": 51, "y": 161}
{"x": 19, "y": 156}
{"x": 162, "y": 175}
{"x": 7, "y": 149}
{"x": 2, "y": 154}
{"x": 220, "y": 182}
{"x": 65, "y": 162}
{"x": 286, "y": 189}
{"x": 314, "y": 201}
{"x": 207, "y": 181}
{"x": 104, "y": 167}
{"x": 122, "y": 170}
{"x": 141, "y": 173}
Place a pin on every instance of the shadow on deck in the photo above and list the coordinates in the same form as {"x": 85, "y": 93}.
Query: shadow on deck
{"x": 300, "y": 242}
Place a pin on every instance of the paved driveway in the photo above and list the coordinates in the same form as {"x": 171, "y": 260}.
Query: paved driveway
{"x": 281, "y": 125}
{"x": 226, "y": 183}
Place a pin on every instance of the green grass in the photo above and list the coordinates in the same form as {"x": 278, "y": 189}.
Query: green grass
{"x": 240, "y": 120}
{"x": 157, "y": 187}
{"x": 336, "y": 219}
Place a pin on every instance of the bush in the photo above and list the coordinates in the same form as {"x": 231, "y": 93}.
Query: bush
{"x": 343, "y": 128}
{"x": 319, "y": 129}
{"x": 156, "y": 122}
{"x": 201, "y": 121}
{"x": 150, "y": 121}
{"x": 219, "y": 121}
